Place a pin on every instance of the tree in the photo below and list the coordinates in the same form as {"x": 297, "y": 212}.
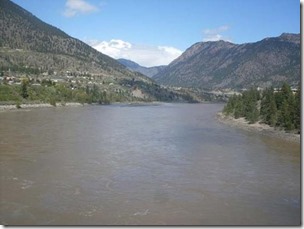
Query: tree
{"x": 250, "y": 99}
{"x": 272, "y": 115}
{"x": 297, "y": 108}
{"x": 285, "y": 118}
{"x": 95, "y": 94}
{"x": 24, "y": 85}
{"x": 282, "y": 95}
{"x": 230, "y": 106}
{"x": 269, "y": 107}
{"x": 285, "y": 103}
{"x": 281, "y": 109}
{"x": 253, "y": 115}
{"x": 81, "y": 97}
{"x": 238, "y": 110}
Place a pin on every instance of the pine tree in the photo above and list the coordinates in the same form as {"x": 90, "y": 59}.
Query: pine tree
{"x": 285, "y": 104}
{"x": 238, "y": 109}
{"x": 297, "y": 108}
{"x": 251, "y": 111}
{"x": 269, "y": 108}
{"x": 265, "y": 102}
{"x": 230, "y": 106}
{"x": 95, "y": 94}
{"x": 24, "y": 85}
{"x": 272, "y": 115}
{"x": 285, "y": 118}
{"x": 253, "y": 114}
{"x": 281, "y": 109}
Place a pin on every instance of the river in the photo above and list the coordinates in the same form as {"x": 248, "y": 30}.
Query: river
{"x": 167, "y": 164}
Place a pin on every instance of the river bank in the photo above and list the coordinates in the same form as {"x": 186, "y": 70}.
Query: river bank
{"x": 13, "y": 107}
{"x": 4, "y": 108}
{"x": 258, "y": 128}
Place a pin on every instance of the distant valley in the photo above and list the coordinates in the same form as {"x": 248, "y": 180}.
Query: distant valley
{"x": 148, "y": 71}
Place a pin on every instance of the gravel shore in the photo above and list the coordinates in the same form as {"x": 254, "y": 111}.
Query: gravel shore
{"x": 4, "y": 108}
{"x": 258, "y": 128}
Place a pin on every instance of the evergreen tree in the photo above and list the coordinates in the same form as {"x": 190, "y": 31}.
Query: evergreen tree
{"x": 272, "y": 115}
{"x": 250, "y": 99}
{"x": 285, "y": 116}
{"x": 230, "y": 106}
{"x": 24, "y": 86}
{"x": 285, "y": 104}
{"x": 253, "y": 115}
{"x": 276, "y": 109}
{"x": 269, "y": 107}
{"x": 95, "y": 94}
{"x": 238, "y": 110}
{"x": 297, "y": 108}
{"x": 265, "y": 102}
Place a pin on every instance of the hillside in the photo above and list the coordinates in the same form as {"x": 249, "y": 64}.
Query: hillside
{"x": 34, "y": 49}
{"x": 220, "y": 64}
{"x": 23, "y": 36}
{"x": 147, "y": 71}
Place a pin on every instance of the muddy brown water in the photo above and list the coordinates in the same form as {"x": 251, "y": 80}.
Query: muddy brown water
{"x": 170, "y": 164}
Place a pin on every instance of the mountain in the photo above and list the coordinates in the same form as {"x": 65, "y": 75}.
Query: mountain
{"x": 148, "y": 71}
{"x": 24, "y": 39}
{"x": 221, "y": 64}
{"x": 34, "y": 49}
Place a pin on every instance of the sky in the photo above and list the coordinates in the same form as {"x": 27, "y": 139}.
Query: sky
{"x": 155, "y": 32}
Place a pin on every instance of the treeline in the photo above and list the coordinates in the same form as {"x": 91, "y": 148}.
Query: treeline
{"x": 53, "y": 93}
{"x": 280, "y": 108}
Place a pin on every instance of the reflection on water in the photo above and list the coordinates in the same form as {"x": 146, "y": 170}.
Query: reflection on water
{"x": 171, "y": 164}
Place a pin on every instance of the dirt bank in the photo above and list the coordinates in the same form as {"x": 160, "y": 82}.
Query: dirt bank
{"x": 258, "y": 128}
{"x": 37, "y": 105}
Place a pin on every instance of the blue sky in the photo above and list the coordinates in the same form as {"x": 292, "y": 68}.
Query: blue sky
{"x": 154, "y": 32}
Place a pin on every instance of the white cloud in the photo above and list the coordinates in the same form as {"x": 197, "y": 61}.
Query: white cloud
{"x": 216, "y": 34}
{"x": 114, "y": 48}
{"x": 74, "y": 7}
{"x": 144, "y": 55}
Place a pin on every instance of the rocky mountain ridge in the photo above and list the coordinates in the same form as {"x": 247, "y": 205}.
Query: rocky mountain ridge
{"x": 221, "y": 64}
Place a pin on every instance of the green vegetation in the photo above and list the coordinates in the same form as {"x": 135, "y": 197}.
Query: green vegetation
{"x": 24, "y": 86}
{"x": 278, "y": 109}
{"x": 158, "y": 93}
{"x": 46, "y": 91}
{"x": 50, "y": 93}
